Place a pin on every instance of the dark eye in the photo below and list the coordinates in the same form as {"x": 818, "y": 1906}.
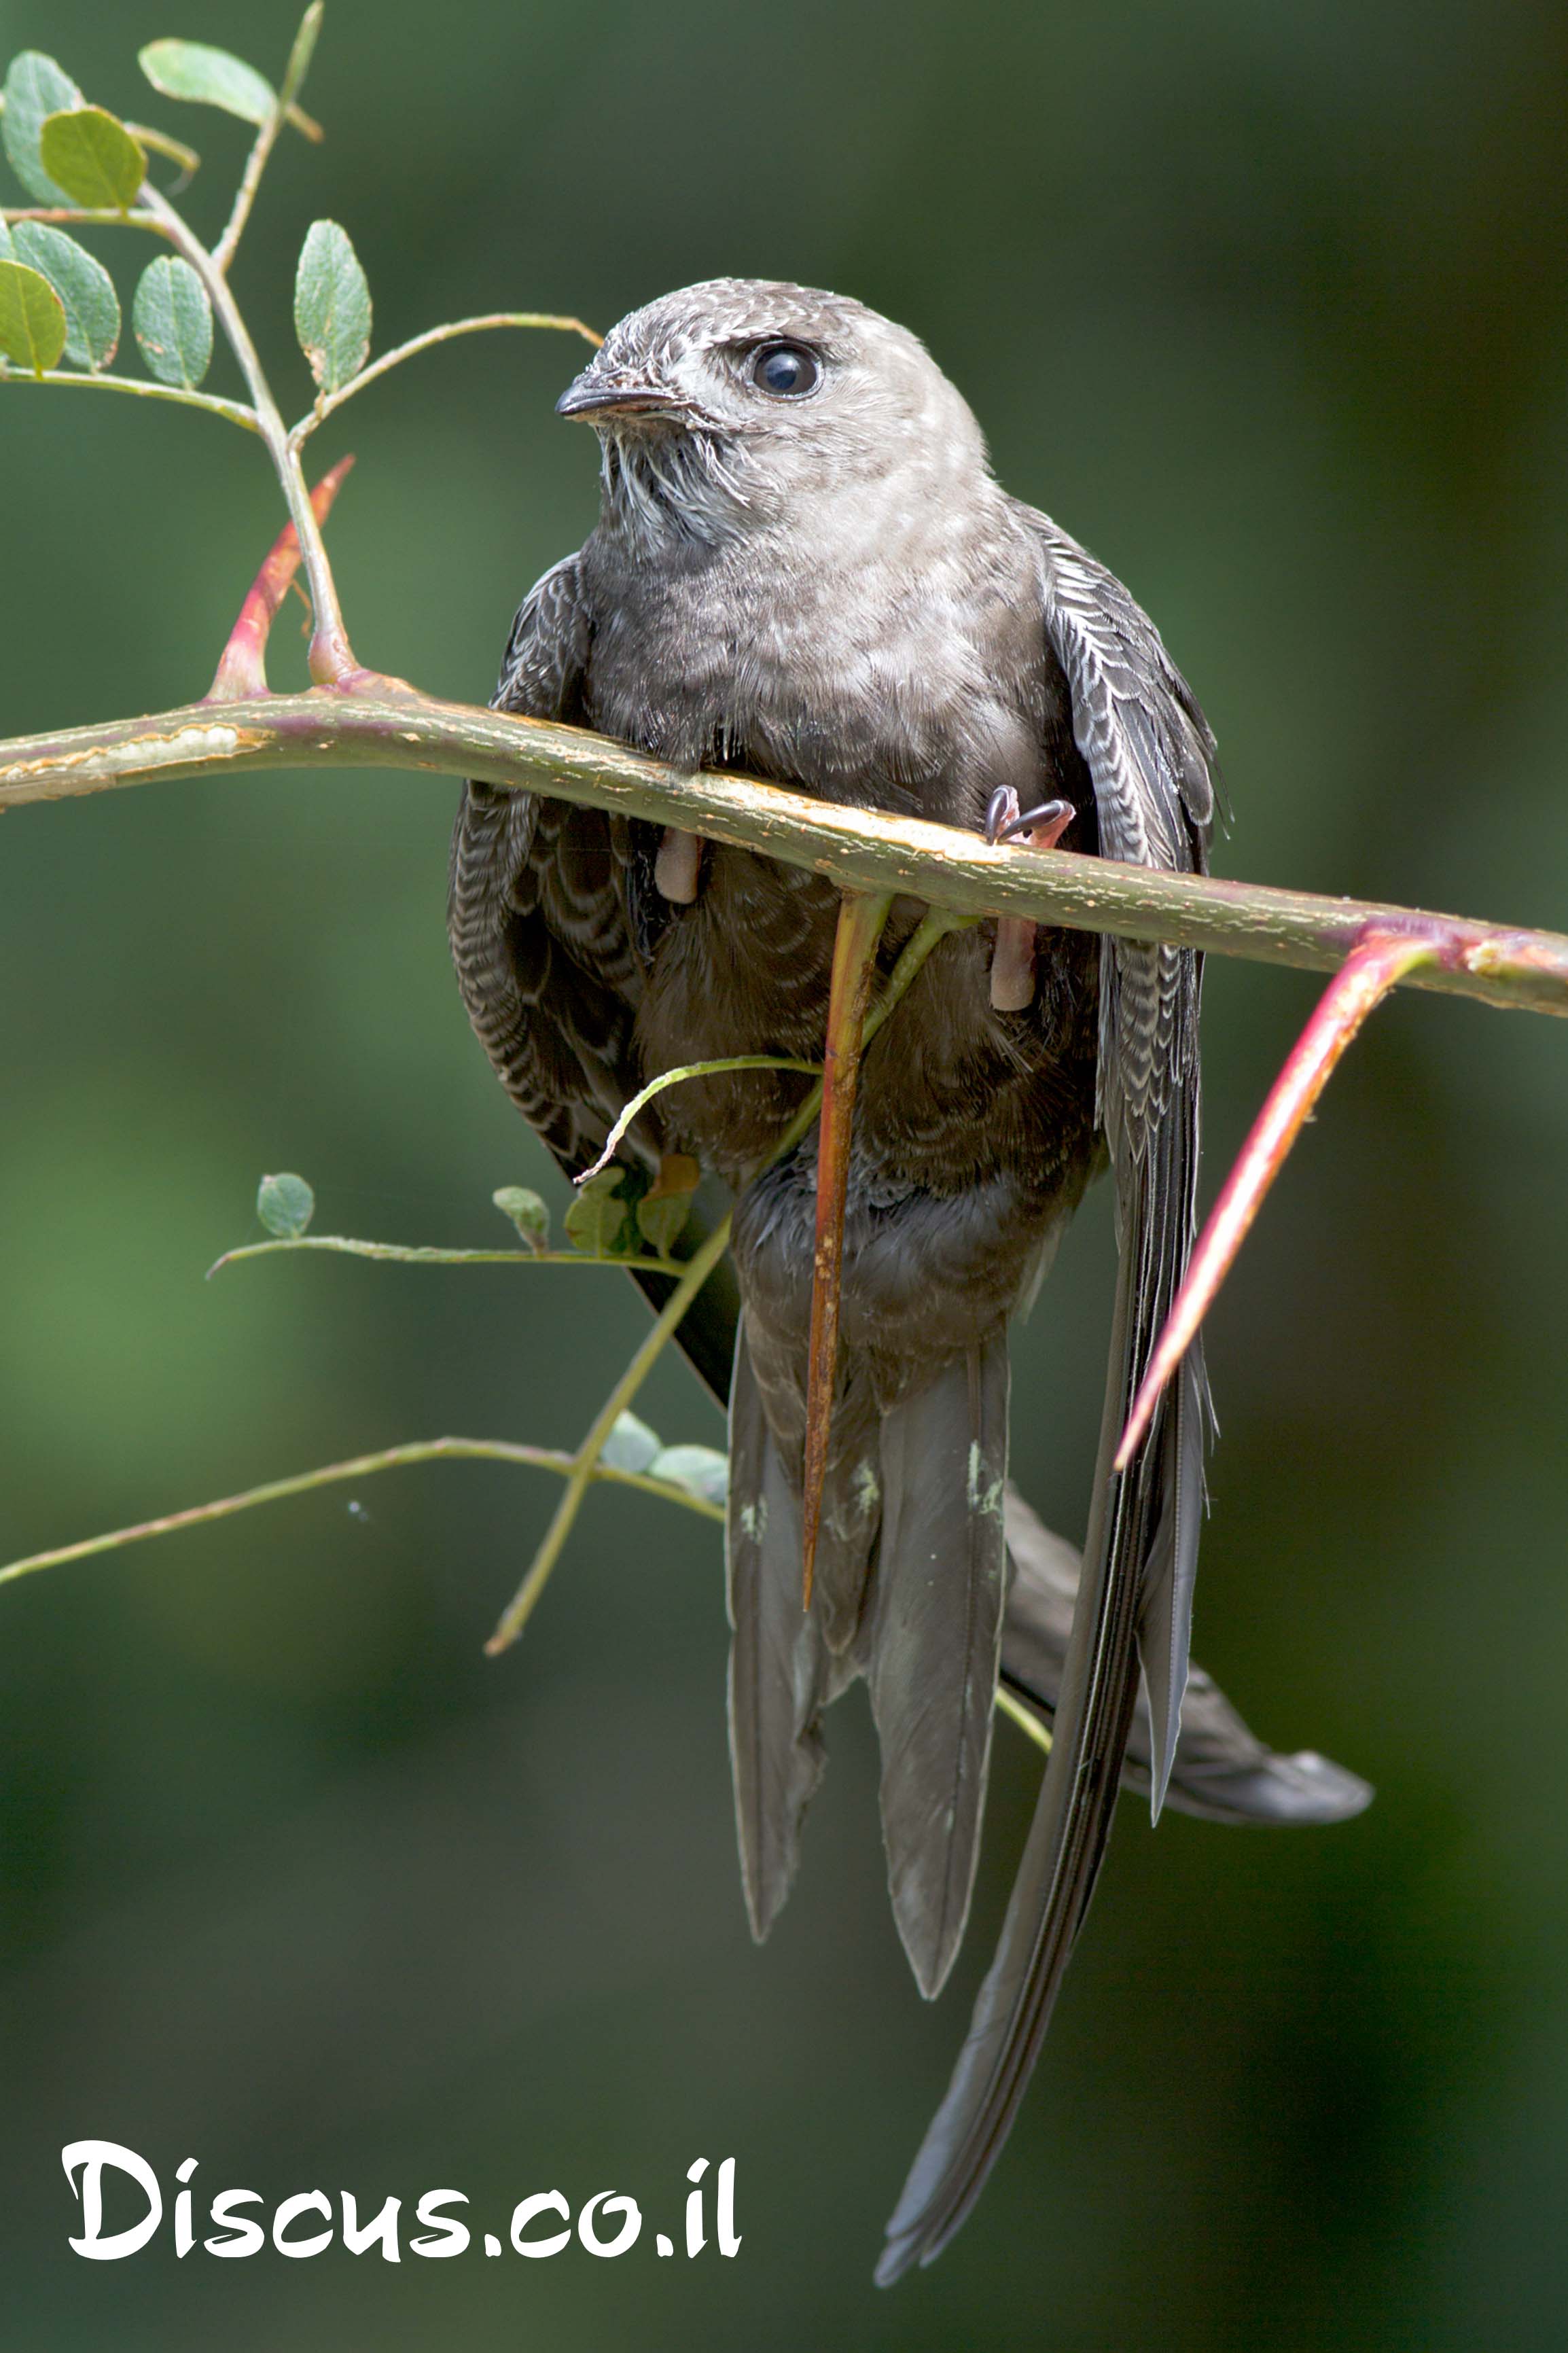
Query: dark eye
{"x": 786, "y": 369}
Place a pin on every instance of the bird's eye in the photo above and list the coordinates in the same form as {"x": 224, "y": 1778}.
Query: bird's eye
{"x": 786, "y": 369}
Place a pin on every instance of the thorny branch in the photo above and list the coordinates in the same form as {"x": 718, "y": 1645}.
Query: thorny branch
{"x": 355, "y": 718}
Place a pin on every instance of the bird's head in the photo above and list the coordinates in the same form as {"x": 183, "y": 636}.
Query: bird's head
{"x": 731, "y": 406}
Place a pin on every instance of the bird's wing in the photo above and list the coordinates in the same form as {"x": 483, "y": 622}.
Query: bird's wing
{"x": 1151, "y": 757}
{"x": 536, "y": 909}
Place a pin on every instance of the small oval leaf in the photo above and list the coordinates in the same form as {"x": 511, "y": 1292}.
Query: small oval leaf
{"x": 90, "y": 152}
{"x": 597, "y": 1220}
{"x": 332, "y": 306}
{"x": 700, "y": 1469}
{"x": 85, "y": 288}
{"x": 527, "y": 1212}
{"x": 285, "y": 1205}
{"x": 208, "y": 76}
{"x": 173, "y": 322}
{"x": 32, "y": 318}
{"x": 631, "y": 1444}
{"x": 35, "y": 87}
{"x": 662, "y": 1212}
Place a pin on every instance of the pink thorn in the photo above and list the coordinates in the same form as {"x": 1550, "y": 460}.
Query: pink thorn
{"x": 242, "y": 673}
{"x": 1375, "y": 967}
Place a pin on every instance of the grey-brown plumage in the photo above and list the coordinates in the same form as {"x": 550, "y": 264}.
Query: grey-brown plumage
{"x": 804, "y": 569}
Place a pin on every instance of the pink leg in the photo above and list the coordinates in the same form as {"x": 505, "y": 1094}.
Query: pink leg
{"x": 1013, "y": 959}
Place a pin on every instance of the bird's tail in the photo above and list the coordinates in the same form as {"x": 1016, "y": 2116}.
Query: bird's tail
{"x": 910, "y": 1587}
{"x": 1139, "y": 1519}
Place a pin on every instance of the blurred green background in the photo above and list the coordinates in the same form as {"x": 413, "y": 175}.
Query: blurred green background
{"x": 1266, "y": 304}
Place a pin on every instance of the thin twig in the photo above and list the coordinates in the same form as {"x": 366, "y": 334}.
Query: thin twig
{"x": 361, "y": 1466}
{"x": 267, "y": 137}
{"x": 644, "y": 1095}
{"x": 861, "y": 919}
{"x": 331, "y": 656}
{"x": 84, "y": 216}
{"x": 173, "y": 151}
{"x": 235, "y": 412}
{"x": 332, "y": 400}
{"x": 515, "y": 1617}
{"x": 1023, "y": 1717}
{"x": 396, "y": 1253}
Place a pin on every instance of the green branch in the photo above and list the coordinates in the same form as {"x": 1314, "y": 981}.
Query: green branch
{"x": 432, "y": 335}
{"x": 859, "y": 849}
{"x": 234, "y": 410}
{"x": 586, "y": 1464}
{"x": 402, "y": 1254}
{"x": 363, "y": 1466}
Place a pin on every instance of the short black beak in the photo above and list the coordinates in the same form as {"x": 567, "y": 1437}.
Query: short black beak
{"x": 606, "y": 397}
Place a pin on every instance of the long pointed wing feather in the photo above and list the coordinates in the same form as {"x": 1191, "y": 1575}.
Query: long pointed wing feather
{"x": 1150, "y": 755}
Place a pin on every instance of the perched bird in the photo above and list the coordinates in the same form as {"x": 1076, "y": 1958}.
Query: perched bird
{"x": 804, "y": 569}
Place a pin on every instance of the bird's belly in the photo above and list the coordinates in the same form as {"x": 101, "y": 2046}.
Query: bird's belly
{"x": 953, "y": 1094}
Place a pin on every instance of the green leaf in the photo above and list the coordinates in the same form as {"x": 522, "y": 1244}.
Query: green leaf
{"x": 34, "y": 87}
{"x": 595, "y": 1219}
{"x": 173, "y": 322}
{"x": 662, "y": 1212}
{"x": 527, "y": 1212}
{"x": 631, "y": 1444}
{"x": 91, "y": 154}
{"x": 698, "y": 1469}
{"x": 32, "y": 318}
{"x": 85, "y": 288}
{"x": 208, "y": 76}
{"x": 7, "y": 250}
{"x": 332, "y": 306}
{"x": 285, "y": 1205}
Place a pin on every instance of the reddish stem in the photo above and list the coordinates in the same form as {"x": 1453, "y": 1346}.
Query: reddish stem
{"x": 1376, "y": 965}
{"x": 242, "y": 673}
{"x": 861, "y": 922}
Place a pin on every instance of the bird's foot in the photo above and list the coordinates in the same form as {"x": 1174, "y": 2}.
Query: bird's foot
{"x": 675, "y": 869}
{"x": 1013, "y": 959}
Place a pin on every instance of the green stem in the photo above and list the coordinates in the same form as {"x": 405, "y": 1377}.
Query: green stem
{"x": 267, "y": 137}
{"x": 934, "y": 925}
{"x": 420, "y": 1255}
{"x": 515, "y": 1617}
{"x": 84, "y": 216}
{"x": 1023, "y": 1717}
{"x": 361, "y": 1466}
{"x": 432, "y": 335}
{"x": 675, "y": 1078}
{"x": 235, "y": 411}
{"x": 331, "y": 656}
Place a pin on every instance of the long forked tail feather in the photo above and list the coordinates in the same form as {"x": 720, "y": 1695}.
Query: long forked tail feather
{"x": 1134, "y": 1516}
